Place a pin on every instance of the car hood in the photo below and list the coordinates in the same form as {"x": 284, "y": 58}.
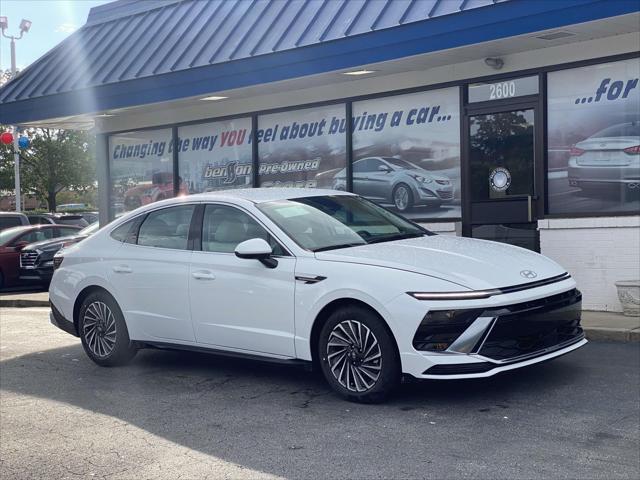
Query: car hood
{"x": 470, "y": 263}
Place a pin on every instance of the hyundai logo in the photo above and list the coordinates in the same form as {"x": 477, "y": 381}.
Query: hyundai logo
{"x": 528, "y": 274}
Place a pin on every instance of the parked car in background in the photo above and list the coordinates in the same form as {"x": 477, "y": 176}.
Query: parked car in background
{"x": 609, "y": 158}
{"x": 393, "y": 181}
{"x": 314, "y": 277}
{"x": 90, "y": 217}
{"x": 36, "y": 259}
{"x": 12, "y": 219}
{"x": 57, "y": 219}
{"x": 13, "y": 240}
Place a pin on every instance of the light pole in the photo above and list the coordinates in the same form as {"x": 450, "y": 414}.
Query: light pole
{"x": 25, "y": 25}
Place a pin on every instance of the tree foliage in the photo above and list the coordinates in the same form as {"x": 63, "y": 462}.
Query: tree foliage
{"x": 55, "y": 160}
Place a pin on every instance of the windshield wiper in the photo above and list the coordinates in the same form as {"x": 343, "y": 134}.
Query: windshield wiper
{"x": 402, "y": 236}
{"x": 334, "y": 247}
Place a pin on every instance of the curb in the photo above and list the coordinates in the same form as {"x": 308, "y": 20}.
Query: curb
{"x": 23, "y": 303}
{"x": 601, "y": 334}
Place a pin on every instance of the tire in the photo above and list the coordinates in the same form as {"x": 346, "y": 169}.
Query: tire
{"x": 402, "y": 197}
{"x": 346, "y": 368}
{"x": 99, "y": 315}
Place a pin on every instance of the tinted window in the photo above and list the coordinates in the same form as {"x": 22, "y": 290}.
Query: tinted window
{"x": 167, "y": 228}
{"x": 223, "y": 228}
{"x": 35, "y": 236}
{"x": 361, "y": 165}
{"x": 126, "y": 232}
{"x": 6, "y": 222}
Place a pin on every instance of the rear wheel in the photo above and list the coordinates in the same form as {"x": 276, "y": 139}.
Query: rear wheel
{"x": 103, "y": 331}
{"x": 358, "y": 355}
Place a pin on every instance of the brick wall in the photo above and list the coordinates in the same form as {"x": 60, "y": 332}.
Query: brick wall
{"x": 597, "y": 252}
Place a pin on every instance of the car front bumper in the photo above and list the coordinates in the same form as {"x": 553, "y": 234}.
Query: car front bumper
{"x": 510, "y": 331}
{"x": 36, "y": 275}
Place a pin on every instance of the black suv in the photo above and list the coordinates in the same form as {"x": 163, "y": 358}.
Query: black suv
{"x": 57, "y": 219}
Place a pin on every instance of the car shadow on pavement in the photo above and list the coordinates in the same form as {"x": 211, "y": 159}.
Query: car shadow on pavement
{"x": 256, "y": 415}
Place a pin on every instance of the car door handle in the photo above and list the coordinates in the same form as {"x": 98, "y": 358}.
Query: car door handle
{"x": 122, "y": 269}
{"x": 203, "y": 275}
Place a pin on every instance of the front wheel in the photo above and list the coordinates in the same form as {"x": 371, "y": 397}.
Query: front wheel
{"x": 103, "y": 331}
{"x": 358, "y": 355}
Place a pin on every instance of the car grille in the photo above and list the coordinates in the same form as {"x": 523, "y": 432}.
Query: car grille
{"x": 445, "y": 194}
{"x": 533, "y": 328}
{"x": 28, "y": 259}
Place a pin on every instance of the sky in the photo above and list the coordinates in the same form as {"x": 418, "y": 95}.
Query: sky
{"x": 52, "y": 21}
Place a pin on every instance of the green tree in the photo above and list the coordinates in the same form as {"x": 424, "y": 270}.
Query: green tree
{"x": 55, "y": 160}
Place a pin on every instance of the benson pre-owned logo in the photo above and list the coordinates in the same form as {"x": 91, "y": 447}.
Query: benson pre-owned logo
{"x": 528, "y": 273}
{"x": 499, "y": 179}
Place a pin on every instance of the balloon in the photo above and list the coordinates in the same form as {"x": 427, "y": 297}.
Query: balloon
{"x": 6, "y": 138}
{"x": 23, "y": 142}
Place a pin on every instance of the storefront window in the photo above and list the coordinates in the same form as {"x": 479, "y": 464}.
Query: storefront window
{"x": 303, "y": 148}
{"x": 594, "y": 139}
{"x": 406, "y": 152}
{"x": 216, "y": 155}
{"x": 141, "y": 166}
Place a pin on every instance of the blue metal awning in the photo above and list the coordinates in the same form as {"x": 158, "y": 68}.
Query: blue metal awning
{"x": 133, "y": 52}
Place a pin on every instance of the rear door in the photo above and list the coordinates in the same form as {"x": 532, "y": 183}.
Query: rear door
{"x": 150, "y": 276}
{"x": 239, "y": 303}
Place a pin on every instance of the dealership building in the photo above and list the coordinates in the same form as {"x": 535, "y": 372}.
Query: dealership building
{"x": 510, "y": 120}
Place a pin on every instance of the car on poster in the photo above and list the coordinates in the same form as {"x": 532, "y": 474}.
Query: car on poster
{"x": 159, "y": 188}
{"x": 313, "y": 277}
{"x": 609, "y": 158}
{"x": 396, "y": 182}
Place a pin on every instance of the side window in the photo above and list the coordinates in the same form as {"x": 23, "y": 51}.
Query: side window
{"x": 360, "y": 165}
{"x": 127, "y": 231}
{"x": 167, "y": 228}
{"x": 374, "y": 164}
{"x": 223, "y": 228}
{"x": 7, "y": 222}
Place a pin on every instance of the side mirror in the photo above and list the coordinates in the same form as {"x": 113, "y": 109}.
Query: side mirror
{"x": 384, "y": 168}
{"x": 256, "y": 249}
{"x": 20, "y": 245}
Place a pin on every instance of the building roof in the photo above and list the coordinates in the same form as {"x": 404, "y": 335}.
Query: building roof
{"x": 133, "y": 52}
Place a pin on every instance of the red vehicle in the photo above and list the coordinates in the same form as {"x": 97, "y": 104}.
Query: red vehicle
{"x": 160, "y": 188}
{"x": 13, "y": 240}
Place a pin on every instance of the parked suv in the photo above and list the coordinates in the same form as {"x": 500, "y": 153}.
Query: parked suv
{"x": 36, "y": 259}
{"x": 12, "y": 219}
{"x": 390, "y": 180}
{"x": 57, "y": 219}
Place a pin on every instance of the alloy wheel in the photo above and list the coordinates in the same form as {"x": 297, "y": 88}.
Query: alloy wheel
{"x": 99, "y": 329}
{"x": 354, "y": 356}
{"x": 401, "y": 198}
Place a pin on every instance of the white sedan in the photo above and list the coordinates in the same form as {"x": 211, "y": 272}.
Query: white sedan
{"x": 313, "y": 277}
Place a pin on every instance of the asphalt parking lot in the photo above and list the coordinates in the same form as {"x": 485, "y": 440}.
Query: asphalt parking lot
{"x": 185, "y": 415}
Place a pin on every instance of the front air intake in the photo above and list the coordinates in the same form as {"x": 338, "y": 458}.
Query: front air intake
{"x": 440, "y": 328}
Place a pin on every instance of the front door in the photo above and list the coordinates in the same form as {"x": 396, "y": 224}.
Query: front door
{"x": 239, "y": 303}
{"x": 501, "y": 171}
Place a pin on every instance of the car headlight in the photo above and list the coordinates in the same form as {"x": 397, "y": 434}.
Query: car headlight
{"x": 422, "y": 179}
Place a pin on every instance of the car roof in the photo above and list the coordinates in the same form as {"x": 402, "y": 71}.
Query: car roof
{"x": 261, "y": 195}
{"x": 12, "y": 214}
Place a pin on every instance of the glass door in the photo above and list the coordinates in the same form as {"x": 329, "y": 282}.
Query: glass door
{"x": 501, "y": 170}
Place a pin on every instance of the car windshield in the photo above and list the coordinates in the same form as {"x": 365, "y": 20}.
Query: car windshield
{"x": 400, "y": 163}
{"x": 8, "y": 234}
{"x": 338, "y": 221}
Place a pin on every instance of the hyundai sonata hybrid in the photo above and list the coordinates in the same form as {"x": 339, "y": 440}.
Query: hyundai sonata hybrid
{"x": 312, "y": 277}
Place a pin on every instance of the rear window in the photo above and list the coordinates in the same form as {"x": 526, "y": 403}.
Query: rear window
{"x": 631, "y": 129}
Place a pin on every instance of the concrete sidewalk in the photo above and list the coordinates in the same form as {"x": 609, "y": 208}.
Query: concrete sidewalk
{"x": 598, "y": 326}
